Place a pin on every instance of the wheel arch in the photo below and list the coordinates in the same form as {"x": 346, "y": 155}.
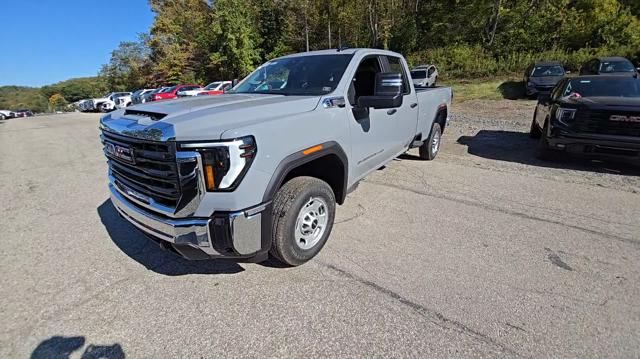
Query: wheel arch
{"x": 441, "y": 116}
{"x": 329, "y": 164}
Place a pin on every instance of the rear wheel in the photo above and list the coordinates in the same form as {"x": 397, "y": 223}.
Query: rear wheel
{"x": 430, "y": 147}
{"x": 303, "y": 214}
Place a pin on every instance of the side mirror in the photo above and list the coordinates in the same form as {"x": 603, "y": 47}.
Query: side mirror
{"x": 387, "y": 92}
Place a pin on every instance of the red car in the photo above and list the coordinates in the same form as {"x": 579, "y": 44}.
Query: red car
{"x": 172, "y": 92}
{"x": 216, "y": 88}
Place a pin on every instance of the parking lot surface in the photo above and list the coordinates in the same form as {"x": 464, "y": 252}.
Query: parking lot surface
{"x": 484, "y": 252}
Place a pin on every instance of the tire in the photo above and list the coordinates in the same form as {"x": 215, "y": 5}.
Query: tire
{"x": 534, "y": 131}
{"x": 435, "y": 80}
{"x": 430, "y": 148}
{"x": 543, "y": 151}
{"x": 3, "y": 117}
{"x": 301, "y": 198}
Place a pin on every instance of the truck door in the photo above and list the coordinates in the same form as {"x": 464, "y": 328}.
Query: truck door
{"x": 405, "y": 117}
{"x": 376, "y": 134}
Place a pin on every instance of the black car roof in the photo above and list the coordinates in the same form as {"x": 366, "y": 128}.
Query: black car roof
{"x": 547, "y": 63}
{"x": 613, "y": 58}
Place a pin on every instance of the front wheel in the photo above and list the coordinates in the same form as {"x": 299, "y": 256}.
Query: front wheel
{"x": 3, "y": 117}
{"x": 534, "y": 131}
{"x": 430, "y": 147}
{"x": 303, "y": 214}
{"x": 543, "y": 151}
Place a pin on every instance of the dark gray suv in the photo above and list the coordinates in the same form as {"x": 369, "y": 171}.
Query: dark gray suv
{"x": 609, "y": 66}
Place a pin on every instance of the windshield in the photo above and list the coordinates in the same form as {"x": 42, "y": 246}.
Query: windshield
{"x": 213, "y": 85}
{"x": 419, "y": 74}
{"x": 616, "y": 66}
{"x": 301, "y": 75}
{"x": 623, "y": 87}
{"x": 541, "y": 71}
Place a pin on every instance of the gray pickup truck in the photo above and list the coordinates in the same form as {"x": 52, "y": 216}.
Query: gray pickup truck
{"x": 258, "y": 171}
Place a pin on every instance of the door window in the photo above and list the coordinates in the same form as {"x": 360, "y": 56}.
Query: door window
{"x": 395, "y": 65}
{"x": 364, "y": 80}
{"x": 431, "y": 71}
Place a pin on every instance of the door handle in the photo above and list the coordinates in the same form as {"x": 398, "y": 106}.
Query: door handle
{"x": 413, "y": 105}
{"x": 392, "y": 111}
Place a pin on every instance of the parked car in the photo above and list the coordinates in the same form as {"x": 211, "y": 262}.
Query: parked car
{"x": 172, "y": 92}
{"x": 214, "y": 88}
{"x": 23, "y": 113}
{"x": 123, "y": 101}
{"x": 609, "y": 66}
{"x": 424, "y": 76}
{"x": 148, "y": 97}
{"x": 6, "y": 114}
{"x": 138, "y": 96}
{"x": 96, "y": 103}
{"x": 250, "y": 174}
{"x": 190, "y": 93}
{"x": 542, "y": 77}
{"x": 111, "y": 102}
{"x": 589, "y": 115}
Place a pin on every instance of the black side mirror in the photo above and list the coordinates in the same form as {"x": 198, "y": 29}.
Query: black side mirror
{"x": 387, "y": 92}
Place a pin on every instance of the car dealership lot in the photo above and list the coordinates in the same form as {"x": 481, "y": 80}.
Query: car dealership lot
{"x": 483, "y": 252}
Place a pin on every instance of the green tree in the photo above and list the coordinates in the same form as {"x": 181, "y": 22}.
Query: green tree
{"x": 129, "y": 67}
{"x": 236, "y": 47}
{"x": 57, "y": 102}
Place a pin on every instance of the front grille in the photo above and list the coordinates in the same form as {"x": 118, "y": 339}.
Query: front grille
{"x": 599, "y": 122}
{"x": 151, "y": 174}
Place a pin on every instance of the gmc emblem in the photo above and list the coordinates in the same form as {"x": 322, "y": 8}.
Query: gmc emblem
{"x": 620, "y": 118}
{"x": 120, "y": 152}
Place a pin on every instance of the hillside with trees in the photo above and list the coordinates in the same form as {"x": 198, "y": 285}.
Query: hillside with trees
{"x": 199, "y": 41}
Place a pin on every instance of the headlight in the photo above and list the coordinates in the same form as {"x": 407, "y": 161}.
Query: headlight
{"x": 224, "y": 163}
{"x": 565, "y": 115}
{"x": 531, "y": 84}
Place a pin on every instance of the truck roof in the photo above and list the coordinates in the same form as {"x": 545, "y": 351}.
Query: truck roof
{"x": 347, "y": 51}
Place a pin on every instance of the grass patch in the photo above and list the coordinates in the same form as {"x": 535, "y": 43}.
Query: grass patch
{"x": 487, "y": 89}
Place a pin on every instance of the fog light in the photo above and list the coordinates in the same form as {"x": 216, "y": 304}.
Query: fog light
{"x": 560, "y": 145}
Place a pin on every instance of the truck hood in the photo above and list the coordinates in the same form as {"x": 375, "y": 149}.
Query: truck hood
{"x": 606, "y": 102}
{"x": 203, "y": 117}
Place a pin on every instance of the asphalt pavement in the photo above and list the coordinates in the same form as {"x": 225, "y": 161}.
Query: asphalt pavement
{"x": 480, "y": 253}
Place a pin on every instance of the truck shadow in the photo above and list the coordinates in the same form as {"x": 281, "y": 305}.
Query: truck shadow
{"x": 59, "y": 347}
{"x": 513, "y": 90}
{"x": 144, "y": 251}
{"x": 517, "y": 147}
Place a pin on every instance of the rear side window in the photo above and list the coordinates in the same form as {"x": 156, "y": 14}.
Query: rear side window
{"x": 418, "y": 74}
{"x": 395, "y": 65}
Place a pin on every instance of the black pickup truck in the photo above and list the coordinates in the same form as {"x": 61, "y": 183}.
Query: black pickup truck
{"x": 589, "y": 115}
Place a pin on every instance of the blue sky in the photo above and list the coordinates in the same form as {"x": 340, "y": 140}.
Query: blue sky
{"x": 46, "y": 41}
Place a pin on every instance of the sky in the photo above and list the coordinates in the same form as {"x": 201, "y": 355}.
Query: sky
{"x": 46, "y": 41}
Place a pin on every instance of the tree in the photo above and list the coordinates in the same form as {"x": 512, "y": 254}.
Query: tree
{"x": 57, "y": 103}
{"x": 236, "y": 39}
{"x": 129, "y": 67}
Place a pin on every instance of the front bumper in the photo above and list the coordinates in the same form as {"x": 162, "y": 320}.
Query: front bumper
{"x": 619, "y": 147}
{"x": 240, "y": 235}
{"x": 537, "y": 90}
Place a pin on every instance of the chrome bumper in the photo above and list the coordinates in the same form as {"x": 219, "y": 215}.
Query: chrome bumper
{"x": 243, "y": 228}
